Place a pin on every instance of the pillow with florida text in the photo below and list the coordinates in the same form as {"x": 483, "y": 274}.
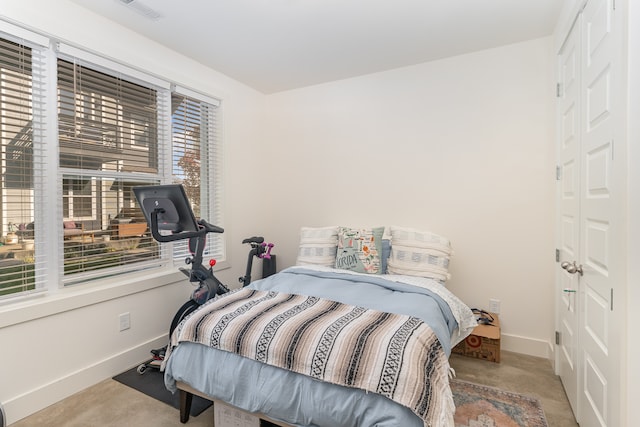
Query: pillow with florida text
{"x": 360, "y": 249}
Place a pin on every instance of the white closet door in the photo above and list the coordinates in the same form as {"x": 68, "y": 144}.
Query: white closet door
{"x": 602, "y": 249}
{"x": 569, "y": 201}
{"x": 591, "y": 220}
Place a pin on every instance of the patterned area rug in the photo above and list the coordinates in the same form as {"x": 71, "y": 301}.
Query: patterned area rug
{"x": 482, "y": 406}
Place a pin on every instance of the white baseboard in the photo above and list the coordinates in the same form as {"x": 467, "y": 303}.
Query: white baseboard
{"x": 525, "y": 345}
{"x": 32, "y": 401}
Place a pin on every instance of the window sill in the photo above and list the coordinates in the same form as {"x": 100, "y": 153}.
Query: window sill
{"x": 74, "y": 297}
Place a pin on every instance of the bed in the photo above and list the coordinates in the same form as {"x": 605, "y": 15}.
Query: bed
{"x": 318, "y": 346}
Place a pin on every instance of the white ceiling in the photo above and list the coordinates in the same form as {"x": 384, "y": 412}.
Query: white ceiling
{"x": 275, "y": 45}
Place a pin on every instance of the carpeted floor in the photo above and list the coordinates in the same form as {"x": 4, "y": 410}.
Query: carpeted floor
{"x": 483, "y": 406}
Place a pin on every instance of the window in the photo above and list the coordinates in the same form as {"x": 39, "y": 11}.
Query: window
{"x": 20, "y": 132}
{"x": 77, "y": 199}
{"x": 117, "y": 128}
{"x": 109, "y": 127}
{"x": 96, "y": 248}
{"x": 105, "y": 122}
{"x": 195, "y": 160}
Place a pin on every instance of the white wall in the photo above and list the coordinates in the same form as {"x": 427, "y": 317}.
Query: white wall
{"x": 463, "y": 147}
{"x": 58, "y": 344}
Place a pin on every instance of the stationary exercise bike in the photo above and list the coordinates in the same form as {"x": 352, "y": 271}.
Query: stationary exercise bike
{"x": 171, "y": 218}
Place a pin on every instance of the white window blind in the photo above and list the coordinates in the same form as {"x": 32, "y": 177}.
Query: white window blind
{"x": 111, "y": 132}
{"x": 22, "y": 258}
{"x": 68, "y": 211}
{"x": 196, "y": 164}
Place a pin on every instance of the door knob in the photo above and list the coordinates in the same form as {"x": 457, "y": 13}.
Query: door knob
{"x": 572, "y": 267}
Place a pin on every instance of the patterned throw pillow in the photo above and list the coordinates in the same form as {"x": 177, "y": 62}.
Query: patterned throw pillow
{"x": 360, "y": 250}
{"x": 419, "y": 253}
{"x": 318, "y": 246}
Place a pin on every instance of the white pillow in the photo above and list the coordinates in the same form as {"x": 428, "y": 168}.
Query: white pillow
{"x": 319, "y": 234}
{"x": 318, "y": 246}
{"x": 419, "y": 253}
{"x": 420, "y": 239}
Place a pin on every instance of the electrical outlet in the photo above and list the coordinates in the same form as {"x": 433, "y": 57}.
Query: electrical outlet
{"x": 494, "y": 306}
{"x": 125, "y": 321}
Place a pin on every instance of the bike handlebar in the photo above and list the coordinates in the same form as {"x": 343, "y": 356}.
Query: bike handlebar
{"x": 210, "y": 227}
{"x": 206, "y": 228}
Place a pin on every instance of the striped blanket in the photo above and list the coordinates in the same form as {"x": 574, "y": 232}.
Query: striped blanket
{"x": 394, "y": 355}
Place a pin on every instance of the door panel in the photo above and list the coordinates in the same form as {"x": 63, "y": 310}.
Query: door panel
{"x": 598, "y": 400}
{"x": 591, "y": 229}
{"x": 598, "y": 164}
{"x": 569, "y": 227}
{"x": 595, "y": 247}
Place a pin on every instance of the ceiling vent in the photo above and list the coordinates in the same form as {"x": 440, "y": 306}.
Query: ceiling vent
{"x": 141, "y": 8}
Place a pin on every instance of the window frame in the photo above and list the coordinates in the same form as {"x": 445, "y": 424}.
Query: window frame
{"x": 98, "y": 100}
{"x": 210, "y": 155}
{"x": 49, "y": 198}
{"x": 37, "y": 46}
{"x": 69, "y": 200}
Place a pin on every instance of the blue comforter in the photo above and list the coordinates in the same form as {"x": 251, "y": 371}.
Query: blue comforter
{"x": 297, "y": 399}
{"x": 369, "y": 291}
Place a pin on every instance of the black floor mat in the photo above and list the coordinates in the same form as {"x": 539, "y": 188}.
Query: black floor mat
{"x": 151, "y": 383}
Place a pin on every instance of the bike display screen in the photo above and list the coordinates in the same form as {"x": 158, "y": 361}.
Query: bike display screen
{"x": 171, "y": 205}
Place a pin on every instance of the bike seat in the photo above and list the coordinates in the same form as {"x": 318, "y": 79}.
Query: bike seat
{"x": 254, "y": 239}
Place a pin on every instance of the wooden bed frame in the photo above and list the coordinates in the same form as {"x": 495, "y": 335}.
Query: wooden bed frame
{"x": 186, "y": 397}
